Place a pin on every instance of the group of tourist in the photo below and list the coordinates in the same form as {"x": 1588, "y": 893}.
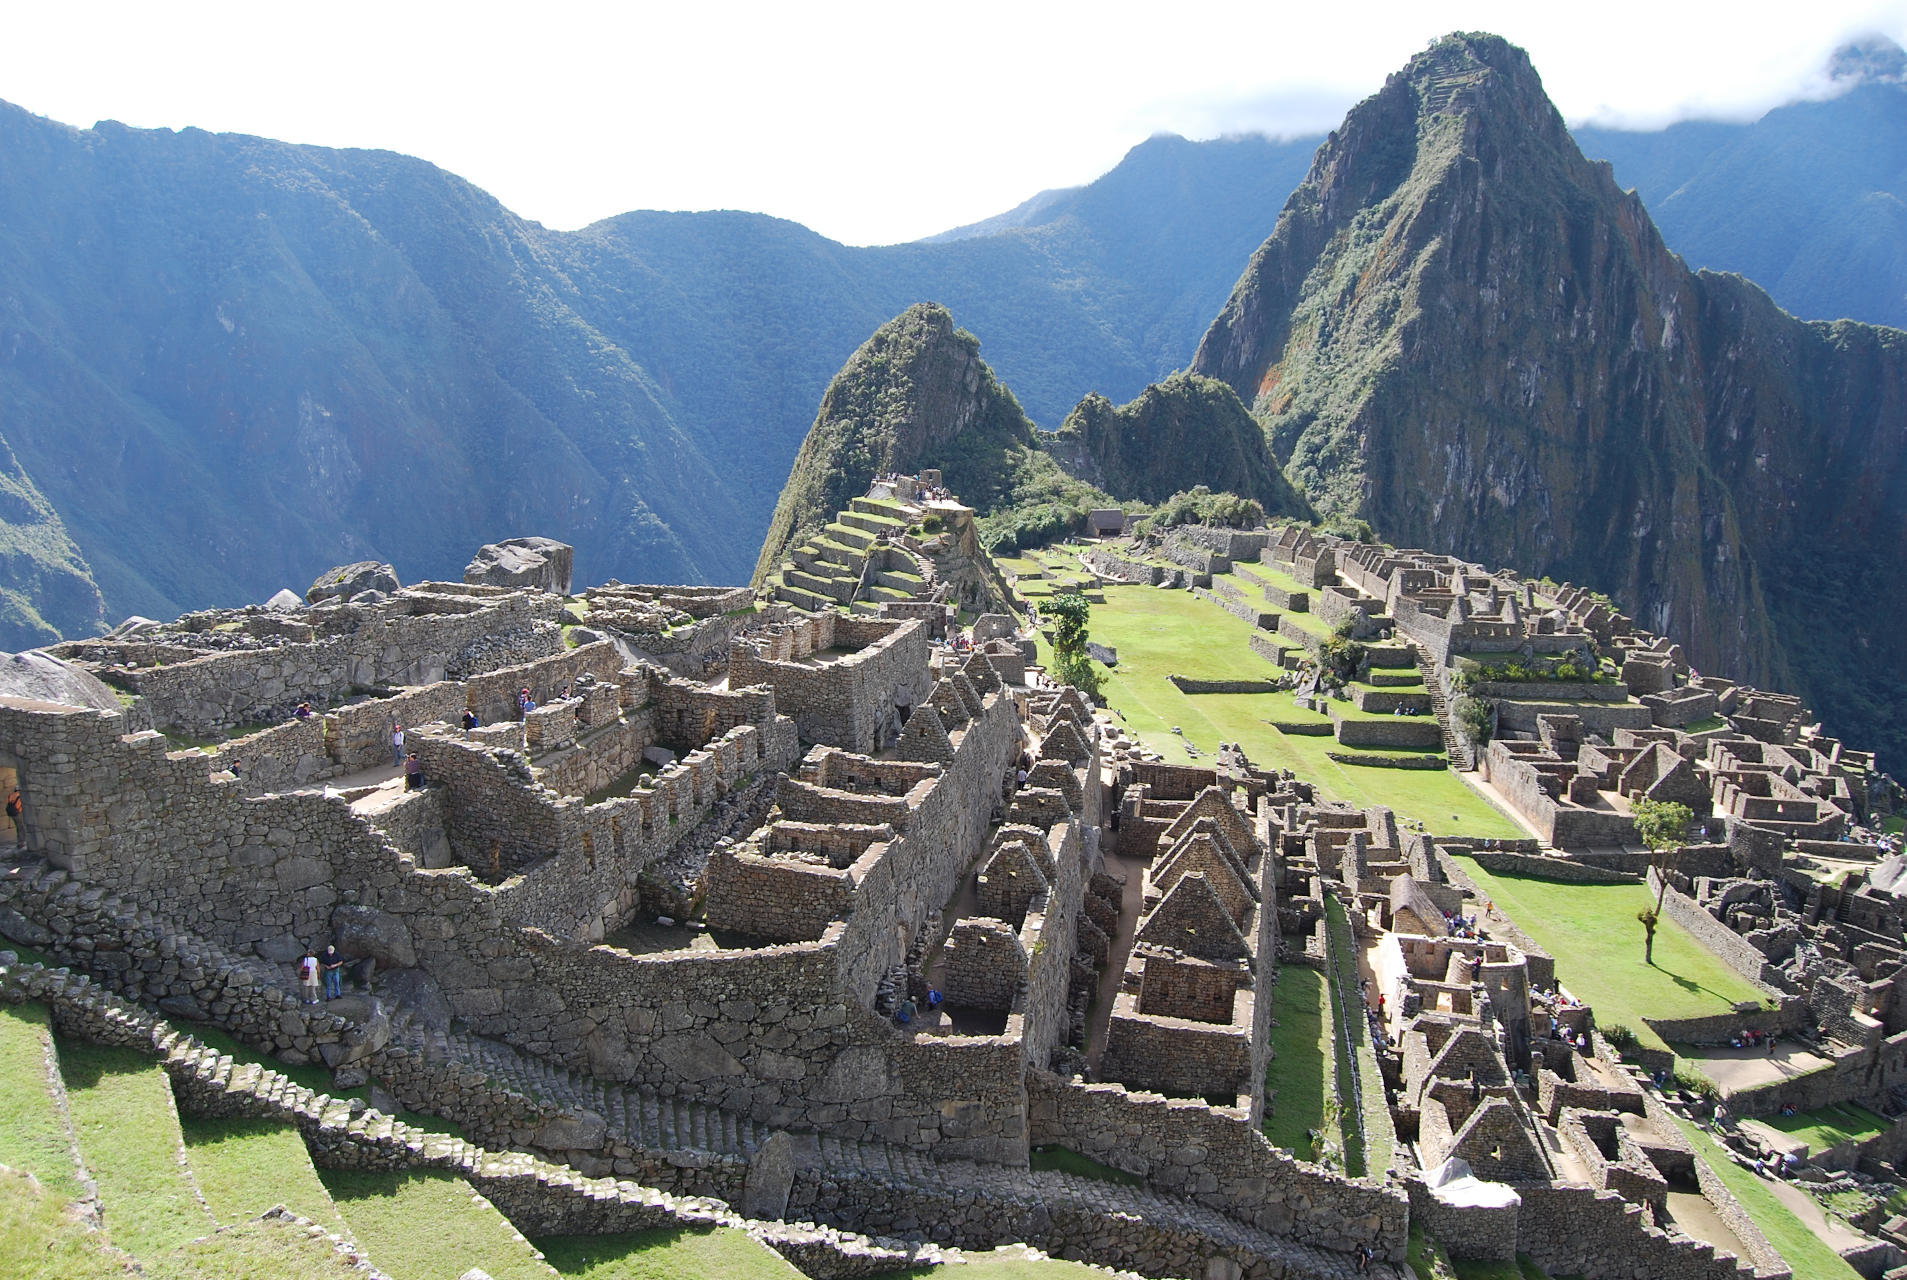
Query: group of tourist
{"x": 1457, "y": 926}
{"x": 329, "y": 967}
{"x": 1752, "y": 1039}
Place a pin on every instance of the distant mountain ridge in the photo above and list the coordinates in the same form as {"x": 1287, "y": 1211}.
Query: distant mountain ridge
{"x": 1465, "y": 332}
{"x": 1809, "y": 201}
{"x": 226, "y": 362}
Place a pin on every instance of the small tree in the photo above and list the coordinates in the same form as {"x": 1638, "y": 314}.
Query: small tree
{"x": 1474, "y": 720}
{"x": 1663, "y": 826}
{"x": 1070, "y": 613}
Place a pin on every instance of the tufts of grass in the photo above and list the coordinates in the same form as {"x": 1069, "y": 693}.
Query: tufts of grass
{"x": 1825, "y": 1127}
{"x": 41, "y": 1238}
{"x": 1301, "y": 1061}
{"x": 1066, "y": 1160}
{"x": 1799, "y": 1247}
{"x": 1160, "y": 632}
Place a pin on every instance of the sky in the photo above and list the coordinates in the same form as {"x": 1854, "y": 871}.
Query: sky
{"x": 871, "y": 123}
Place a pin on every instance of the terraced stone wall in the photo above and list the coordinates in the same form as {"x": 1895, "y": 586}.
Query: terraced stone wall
{"x": 1217, "y": 1157}
{"x": 844, "y": 700}
{"x": 205, "y": 694}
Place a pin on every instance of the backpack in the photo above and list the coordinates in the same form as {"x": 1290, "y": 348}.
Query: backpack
{"x": 308, "y": 969}
{"x": 13, "y": 805}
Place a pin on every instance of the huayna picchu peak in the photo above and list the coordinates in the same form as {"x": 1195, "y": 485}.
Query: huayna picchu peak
{"x": 1463, "y": 332}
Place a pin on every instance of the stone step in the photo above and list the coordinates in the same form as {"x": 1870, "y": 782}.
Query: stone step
{"x": 879, "y": 525}
{"x": 849, "y": 536}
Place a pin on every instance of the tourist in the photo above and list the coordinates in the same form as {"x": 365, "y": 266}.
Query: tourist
{"x": 308, "y": 977}
{"x": 413, "y": 773}
{"x": 303, "y": 712}
{"x": 397, "y": 745}
{"x": 16, "y": 814}
{"x": 331, "y": 964}
{"x": 905, "y": 1014}
{"x": 1364, "y": 1255}
{"x": 470, "y": 720}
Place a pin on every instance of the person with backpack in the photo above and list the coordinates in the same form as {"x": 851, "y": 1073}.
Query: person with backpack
{"x": 16, "y": 814}
{"x": 308, "y": 976}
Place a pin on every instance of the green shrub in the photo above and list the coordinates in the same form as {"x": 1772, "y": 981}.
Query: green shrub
{"x": 1475, "y": 720}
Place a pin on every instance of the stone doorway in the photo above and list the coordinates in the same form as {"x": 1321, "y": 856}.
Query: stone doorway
{"x": 12, "y": 831}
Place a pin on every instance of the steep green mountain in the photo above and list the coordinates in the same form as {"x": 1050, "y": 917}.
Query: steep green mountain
{"x": 1463, "y": 331}
{"x": 1178, "y": 433}
{"x": 46, "y": 586}
{"x": 1809, "y": 201}
{"x": 227, "y": 363}
{"x": 916, "y": 394}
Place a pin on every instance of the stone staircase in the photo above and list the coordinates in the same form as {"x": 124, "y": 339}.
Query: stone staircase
{"x": 850, "y": 564}
{"x": 694, "y": 1134}
{"x": 1454, "y": 744}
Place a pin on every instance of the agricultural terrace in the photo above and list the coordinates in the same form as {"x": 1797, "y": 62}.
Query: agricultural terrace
{"x": 1593, "y": 932}
{"x": 1160, "y": 632}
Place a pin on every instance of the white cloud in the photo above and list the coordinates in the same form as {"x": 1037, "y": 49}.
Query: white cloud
{"x": 869, "y": 122}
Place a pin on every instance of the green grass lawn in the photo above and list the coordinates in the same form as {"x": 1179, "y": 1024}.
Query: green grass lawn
{"x": 41, "y": 1239}
{"x": 429, "y": 1225}
{"x": 669, "y": 1254}
{"x": 245, "y": 1166}
{"x": 1158, "y": 633}
{"x": 275, "y": 1250}
{"x": 1301, "y": 1062}
{"x": 33, "y": 1137}
{"x": 129, "y": 1138}
{"x": 1592, "y": 931}
{"x": 1825, "y": 1127}
{"x": 1799, "y": 1247}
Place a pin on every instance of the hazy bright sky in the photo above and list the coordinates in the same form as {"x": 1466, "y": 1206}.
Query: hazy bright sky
{"x": 871, "y": 123}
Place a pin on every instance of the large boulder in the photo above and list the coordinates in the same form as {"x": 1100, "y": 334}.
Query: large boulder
{"x": 40, "y": 677}
{"x": 350, "y": 580}
{"x": 543, "y": 563}
{"x": 365, "y": 931}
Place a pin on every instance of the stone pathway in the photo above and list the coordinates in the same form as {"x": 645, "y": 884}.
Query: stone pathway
{"x": 1830, "y": 1230}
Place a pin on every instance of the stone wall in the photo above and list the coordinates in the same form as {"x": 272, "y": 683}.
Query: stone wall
{"x": 537, "y": 1197}
{"x": 390, "y": 646}
{"x": 1572, "y": 1230}
{"x": 1482, "y": 1232}
{"x": 781, "y": 1032}
{"x": 776, "y": 899}
{"x": 842, "y": 699}
{"x": 985, "y": 965}
{"x": 1730, "y": 947}
{"x": 1218, "y": 1158}
{"x": 1548, "y": 868}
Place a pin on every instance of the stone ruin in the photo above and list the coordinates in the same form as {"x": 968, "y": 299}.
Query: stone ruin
{"x": 665, "y": 930}
{"x": 752, "y": 903}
